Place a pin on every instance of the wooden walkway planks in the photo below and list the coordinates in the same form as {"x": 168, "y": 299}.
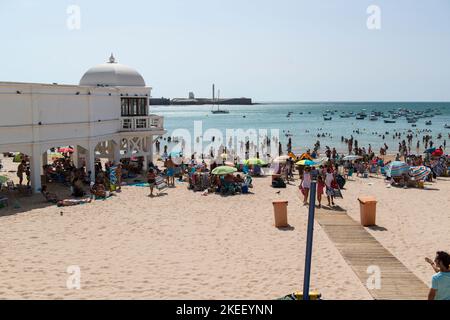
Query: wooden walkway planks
{"x": 361, "y": 250}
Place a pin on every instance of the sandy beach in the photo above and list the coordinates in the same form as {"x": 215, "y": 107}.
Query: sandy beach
{"x": 183, "y": 245}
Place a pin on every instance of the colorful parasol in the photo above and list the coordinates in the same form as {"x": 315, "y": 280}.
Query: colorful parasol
{"x": 397, "y": 168}
{"x": 419, "y": 173}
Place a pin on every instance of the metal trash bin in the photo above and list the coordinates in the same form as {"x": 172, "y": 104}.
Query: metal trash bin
{"x": 280, "y": 213}
{"x": 368, "y": 210}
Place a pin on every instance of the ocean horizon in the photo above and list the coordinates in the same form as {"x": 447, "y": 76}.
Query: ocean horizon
{"x": 306, "y": 124}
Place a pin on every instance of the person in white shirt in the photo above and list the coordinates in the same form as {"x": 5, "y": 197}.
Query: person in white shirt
{"x": 306, "y": 184}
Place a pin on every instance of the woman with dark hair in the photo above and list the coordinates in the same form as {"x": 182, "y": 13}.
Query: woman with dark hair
{"x": 440, "y": 283}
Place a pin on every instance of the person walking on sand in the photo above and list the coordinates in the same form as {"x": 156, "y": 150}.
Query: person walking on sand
{"x": 21, "y": 170}
{"x": 151, "y": 179}
{"x": 440, "y": 283}
{"x": 306, "y": 184}
{"x": 329, "y": 178}
{"x": 320, "y": 188}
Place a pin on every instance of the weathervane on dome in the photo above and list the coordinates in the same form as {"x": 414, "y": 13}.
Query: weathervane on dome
{"x": 112, "y": 59}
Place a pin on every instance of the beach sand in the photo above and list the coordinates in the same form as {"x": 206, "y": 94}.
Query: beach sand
{"x": 183, "y": 245}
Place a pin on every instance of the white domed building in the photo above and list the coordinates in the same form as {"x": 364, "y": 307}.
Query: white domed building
{"x": 106, "y": 116}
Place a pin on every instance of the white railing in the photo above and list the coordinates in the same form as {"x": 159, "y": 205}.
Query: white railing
{"x": 145, "y": 123}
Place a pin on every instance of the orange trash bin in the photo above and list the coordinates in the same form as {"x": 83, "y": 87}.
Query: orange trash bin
{"x": 368, "y": 211}
{"x": 280, "y": 212}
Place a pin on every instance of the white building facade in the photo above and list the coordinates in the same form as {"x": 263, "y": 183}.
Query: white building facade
{"x": 106, "y": 116}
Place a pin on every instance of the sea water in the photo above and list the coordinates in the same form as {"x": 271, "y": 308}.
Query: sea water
{"x": 307, "y": 122}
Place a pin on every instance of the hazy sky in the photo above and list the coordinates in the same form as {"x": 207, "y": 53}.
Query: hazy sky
{"x": 283, "y": 50}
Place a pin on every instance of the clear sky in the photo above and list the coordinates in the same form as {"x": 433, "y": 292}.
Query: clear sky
{"x": 283, "y": 50}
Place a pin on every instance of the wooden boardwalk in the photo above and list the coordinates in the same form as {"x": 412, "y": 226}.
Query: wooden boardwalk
{"x": 361, "y": 251}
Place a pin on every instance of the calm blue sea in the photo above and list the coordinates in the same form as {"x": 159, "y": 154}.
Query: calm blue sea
{"x": 307, "y": 122}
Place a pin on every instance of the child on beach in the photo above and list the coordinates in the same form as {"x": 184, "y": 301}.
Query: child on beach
{"x": 151, "y": 179}
{"x": 320, "y": 188}
{"x": 440, "y": 283}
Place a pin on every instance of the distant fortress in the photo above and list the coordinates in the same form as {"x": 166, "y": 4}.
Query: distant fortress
{"x": 191, "y": 100}
{"x": 200, "y": 101}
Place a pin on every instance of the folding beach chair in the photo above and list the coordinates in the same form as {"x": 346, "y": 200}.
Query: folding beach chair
{"x": 160, "y": 184}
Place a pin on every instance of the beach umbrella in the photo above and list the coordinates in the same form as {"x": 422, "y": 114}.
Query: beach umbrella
{"x": 305, "y": 156}
{"x": 179, "y": 160}
{"x": 419, "y": 173}
{"x": 397, "y": 168}
{"x": 307, "y": 163}
{"x": 281, "y": 159}
{"x": 229, "y": 164}
{"x": 56, "y": 155}
{"x": 65, "y": 150}
{"x": 175, "y": 154}
{"x": 223, "y": 170}
{"x": 351, "y": 158}
{"x": 254, "y": 161}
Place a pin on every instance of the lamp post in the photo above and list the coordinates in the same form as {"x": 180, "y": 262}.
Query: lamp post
{"x": 309, "y": 240}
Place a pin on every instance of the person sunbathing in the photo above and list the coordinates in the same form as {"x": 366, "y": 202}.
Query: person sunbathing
{"x": 73, "y": 202}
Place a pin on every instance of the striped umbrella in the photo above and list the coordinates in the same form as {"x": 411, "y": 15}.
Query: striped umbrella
{"x": 419, "y": 173}
{"x": 307, "y": 163}
{"x": 397, "y": 168}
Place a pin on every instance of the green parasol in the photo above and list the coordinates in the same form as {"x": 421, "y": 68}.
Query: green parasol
{"x": 223, "y": 170}
{"x": 254, "y": 162}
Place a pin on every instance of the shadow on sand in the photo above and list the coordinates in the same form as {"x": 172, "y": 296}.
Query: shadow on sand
{"x": 288, "y": 228}
{"x": 377, "y": 228}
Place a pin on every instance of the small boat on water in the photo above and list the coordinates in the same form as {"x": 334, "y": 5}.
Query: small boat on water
{"x": 411, "y": 120}
{"x": 389, "y": 121}
{"x": 447, "y": 126}
{"x": 373, "y": 118}
{"x": 428, "y": 123}
{"x": 327, "y": 118}
{"x": 218, "y": 110}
